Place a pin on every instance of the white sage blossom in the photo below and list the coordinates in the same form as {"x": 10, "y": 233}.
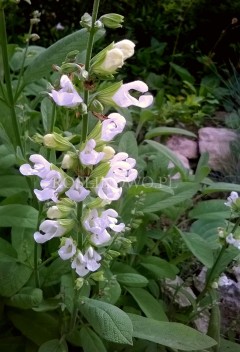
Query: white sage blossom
{"x": 123, "y": 98}
{"x": 89, "y": 156}
{"x": 67, "y": 96}
{"x": 48, "y": 230}
{"x": 92, "y": 258}
{"x": 122, "y": 168}
{"x": 52, "y": 185}
{"x": 108, "y": 189}
{"x": 112, "y": 126}
{"x": 77, "y": 192}
{"x": 113, "y": 60}
{"x": 230, "y": 239}
{"x": 40, "y": 168}
{"x": 231, "y": 199}
{"x": 79, "y": 264}
{"x": 126, "y": 46}
{"x": 68, "y": 250}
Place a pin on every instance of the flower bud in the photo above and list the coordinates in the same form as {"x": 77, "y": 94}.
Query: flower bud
{"x": 109, "y": 153}
{"x": 34, "y": 21}
{"x": 57, "y": 142}
{"x": 70, "y": 161}
{"x": 96, "y": 106}
{"x": 34, "y": 37}
{"x": 54, "y": 213}
{"x": 98, "y": 24}
{"x": 112, "y": 20}
{"x": 86, "y": 21}
{"x": 82, "y": 108}
{"x": 71, "y": 56}
{"x": 98, "y": 276}
{"x": 79, "y": 283}
{"x": 69, "y": 68}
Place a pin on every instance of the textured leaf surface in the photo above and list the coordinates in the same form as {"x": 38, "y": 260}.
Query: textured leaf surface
{"x": 108, "y": 321}
{"x": 13, "y": 276}
{"x": 18, "y": 215}
{"x": 151, "y": 307}
{"x": 173, "y": 335}
{"x": 53, "y": 346}
{"x": 91, "y": 342}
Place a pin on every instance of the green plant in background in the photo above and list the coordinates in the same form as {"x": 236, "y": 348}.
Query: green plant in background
{"x": 97, "y": 288}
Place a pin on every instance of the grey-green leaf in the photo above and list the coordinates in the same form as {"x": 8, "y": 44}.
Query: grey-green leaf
{"x": 199, "y": 247}
{"x": 108, "y": 321}
{"x": 54, "y": 346}
{"x": 165, "y": 131}
{"x": 132, "y": 280}
{"x": 173, "y": 335}
{"x": 18, "y": 215}
{"x": 90, "y": 341}
{"x": 150, "y": 306}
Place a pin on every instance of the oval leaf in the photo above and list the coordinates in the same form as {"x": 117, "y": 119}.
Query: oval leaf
{"x": 132, "y": 280}
{"x": 173, "y": 335}
{"x": 107, "y": 320}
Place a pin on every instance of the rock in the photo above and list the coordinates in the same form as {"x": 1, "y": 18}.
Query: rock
{"x": 184, "y": 146}
{"x": 216, "y": 141}
{"x": 184, "y": 162}
{"x": 177, "y": 285}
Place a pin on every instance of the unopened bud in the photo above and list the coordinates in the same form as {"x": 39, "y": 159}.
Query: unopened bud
{"x": 34, "y": 37}
{"x": 96, "y": 106}
{"x": 57, "y": 142}
{"x": 34, "y": 21}
{"x": 54, "y": 213}
{"x": 70, "y": 67}
{"x": 214, "y": 284}
{"x": 70, "y": 161}
{"x": 86, "y": 21}
{"x": 79, "y": 283}
{"x": 109, "y": 153}
{"x": 82, "y": 108}
{"x": 71, "y": 56}
{"x": 112, "y": 20}
{"x": 98, "y": 276}
{"x": 98, "y": 24}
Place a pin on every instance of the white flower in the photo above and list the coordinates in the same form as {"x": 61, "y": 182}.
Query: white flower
{"x": 127, "y": 48}
{"x": 59, "y": 26}
{"x": 233, "y": 241}
{"x": 121, "y": 168}
{"x": 100, "y": 238}
{"x": 231, "y": 199}
{"x": 89, "y": 156}
{"x": 67, "y": 96}
{"x": 123, "y": 98}
{"x": 108, "y": 189}
{"x": 77, "y": 192}
{"x": 47, "y": 230}
{"x": 79, "y": 264}
{"x": 92, "y": 258}
{"x": 97, "y": 225}
{"x": 40, "y": 168}
{"x": 110, "y": 216}
{"x": 112, "y": 126}
{"x": 225, "y": 281}
{"x": 113, "y": 60}
{"x": 68, "y": 250}
{"x": 52, "y": 185}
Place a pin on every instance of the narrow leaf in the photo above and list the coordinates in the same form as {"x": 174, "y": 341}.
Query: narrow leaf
{"x": 165, "y": 131}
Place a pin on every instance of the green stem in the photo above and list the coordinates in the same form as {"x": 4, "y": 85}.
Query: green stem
{"x": 212, "y": 274}
{"x": 87, "y": 66}
{"x": 16, "y": 129}
{"x": 17, "y": 92}
{"x": 36, "y": 267}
